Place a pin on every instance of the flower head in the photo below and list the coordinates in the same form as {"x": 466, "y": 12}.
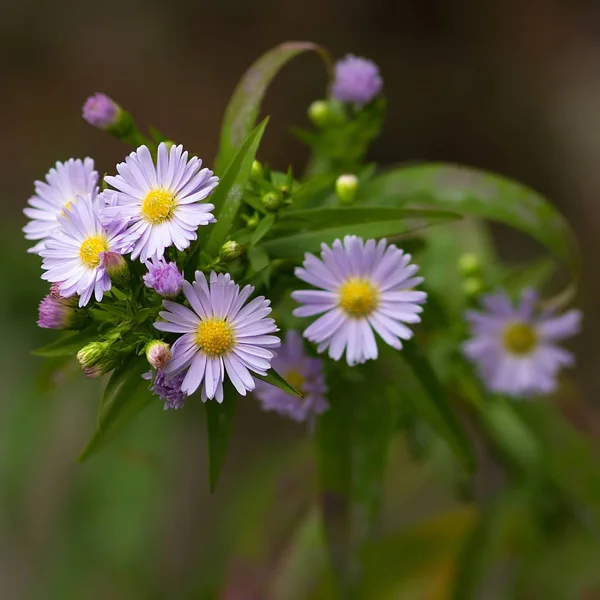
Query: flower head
{"x": 167, "y": 388}
{"x": 163, "y": 277}
{"x": 357, "y": 80}
{"x": 53, "y": 198}
{"x": 514, "y": 347}
{"x": 301, "y": 371}
{"x": 101, "y": 111}
{"x": 73, "y": 255}
{"x": 364, "y": 286}
{"x": 220, "y": 337}
{"x": 162, "y": 202}
{"x": 55, "y": 314}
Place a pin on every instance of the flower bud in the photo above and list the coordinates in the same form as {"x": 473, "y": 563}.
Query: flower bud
{"x": 55, "y": 294}
{"x": 56, "y": 314}
{"x": 115, "y": 266}
{"x": 319, "y": 113}
{"x": 469, "y": 264}
{"x": 251, "y": 222}
{"x": 163, "y": 277}
{"x": 158, "y": 353}
{"x": 96, "y": 359}
{"x": 472, "y": 286}
{"x": 101, "y": 111}
{"x": 346, "y": 188}
{"x": 272, "y": 201}
{"x": 230, "y": 251}
{"x": 257, "y": 170}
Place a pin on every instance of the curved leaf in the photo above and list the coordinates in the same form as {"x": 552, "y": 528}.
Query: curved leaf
{"x": 68, "y": 344}
{"x": 274, "y": 378}
{"x": 477, "y": 193}
{"x": 244, "y": 105}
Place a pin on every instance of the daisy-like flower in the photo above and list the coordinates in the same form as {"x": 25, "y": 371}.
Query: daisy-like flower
{"x": 73, "y": 255}
{"x": 357, "y": 80}
{"x": 220, "y": 337}
{"x": 162, "y": 201}
{"x": 514, "y": 347}
{"x": 302, "y": 372}
{"x": 163, "y": 277}
{"x": 364, "y": 286}
{"x": 53, "y": 198}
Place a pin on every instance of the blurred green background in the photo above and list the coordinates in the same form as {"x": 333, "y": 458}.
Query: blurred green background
{"x": 504, "y": 85}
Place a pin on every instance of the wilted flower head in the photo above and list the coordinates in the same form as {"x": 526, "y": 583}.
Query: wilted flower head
{"x": 220, "y": 336}
{"x": 162, "y": 202}
{"x": 363, "y": 286}
{"x": 168, "y": 388}
{"x": 53, "y": 198}
{"x": 163, "y": 277}
{"x": 357, "y": 80}
{"x": 303, "y": 373}
{"x": 514, "y": 347}
{"x": 101, "y": 111}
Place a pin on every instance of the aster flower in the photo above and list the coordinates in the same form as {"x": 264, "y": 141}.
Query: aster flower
{"x": 357, "y": 80}
{"x": 162, "y": 202}
{"x": 73, "y": 255}
{"x": 163, "y": 277}
{"x": 514, "y": 347}
{"x": 167, "y": 388}
{"x": 101, "y": 111}
{"x": 302, "y": 372}
{"x": 53, "y": 198}
{"x": 220, "y": 337}
{"x": 55, "y": 314}
{"x": 364, "y": 286}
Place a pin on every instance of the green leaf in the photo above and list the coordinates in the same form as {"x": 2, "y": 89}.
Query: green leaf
{"x": 479, "y": 194}
{"x": 263, "y": 228}
{"x": 126, "y": 394}
{"x": 227, "y": 196}
{"x": 219, "y": 420}
{"x": 244, "y": 105}
{"x": 68, "y": 344}
{"x": 274, "y": 378}
{"x": 422, "y": 389}
{"x": 294, "y": 246}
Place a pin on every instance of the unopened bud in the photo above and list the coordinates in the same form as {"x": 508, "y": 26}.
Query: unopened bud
{"x": 346, "y": 188}
{"x": 469, "y": 264}
{"x": 230, "y": 251}
{"x": 257, "y": 170}
{"x": 115, "y": 266}
{"x": 319, "y": 113}
{"x": 472, "y": 286}
{"x": 59, "y": 314}
{"x": 101, "y": 111}
{"x": 272, "y": 201}
{"x": 158, "y": 353}
{"x": 251, "y": 222}
{"x": 93, "y": 354}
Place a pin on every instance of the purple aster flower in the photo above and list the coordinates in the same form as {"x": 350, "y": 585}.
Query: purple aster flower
{"x": 163, "y": 203}
{"x": 163, "y": 277}
{"x": 101, "y": 111}
{"x": 302, "y": 372}
{"x": 54, "y": 197}
{"x": 514, "y": 347}
{"x": 220, "y": 337}
{"x": 357, "y": 80}
{"x": 364, "y": 286}
{"x": 168, "y": 388}
{"x": 73, "y": 255}
{"x": 55, "y": 314}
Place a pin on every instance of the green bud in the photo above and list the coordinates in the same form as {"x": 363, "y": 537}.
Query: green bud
{"x": 257, "y": 170}
{"x": 272, "y": 201}
{"x": 230, "y": 251}
{"x": 469, "y": 264}
{"x": 158, "y": 353}
{"x": 346, "y": 188}
{"x": 472, "y": 286}
{"x": 95, "y": 359}
{"x": 319, "y": 113}
{"x": 251, "y": 222}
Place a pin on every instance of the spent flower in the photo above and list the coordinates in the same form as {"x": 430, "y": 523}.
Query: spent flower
{"x": 357, "y": 80}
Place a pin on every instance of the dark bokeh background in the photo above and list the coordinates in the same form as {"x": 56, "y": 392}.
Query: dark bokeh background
{"x": 509, "y": 86}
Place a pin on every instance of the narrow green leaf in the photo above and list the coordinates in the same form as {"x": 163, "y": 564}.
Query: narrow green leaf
{"x": 244, "y": 105}
{"x": 258, "y": 258}
{"x": 68, "y": 344}
{"x": 428, "y": 399}
{"x": 219, "y": 420}
{"x": 479, "y": 194}
{"x": 294, "y": 246}
{"x": 228, "y": 194}
{"x": 126, "y": 394}
{"x": 274, "y": 378}
{"x": 263, "y": 228}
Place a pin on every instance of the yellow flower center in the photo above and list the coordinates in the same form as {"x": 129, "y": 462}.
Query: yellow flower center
{"x": 519, "y": 338}
{"x": 296, "y": 380}
{"x": 158, "y": 206}
{"x": 66, "y": 208}
{"x": 215, "y": 337}
{"x": 90, "y": 249}
{"x": 358, "y": 298}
